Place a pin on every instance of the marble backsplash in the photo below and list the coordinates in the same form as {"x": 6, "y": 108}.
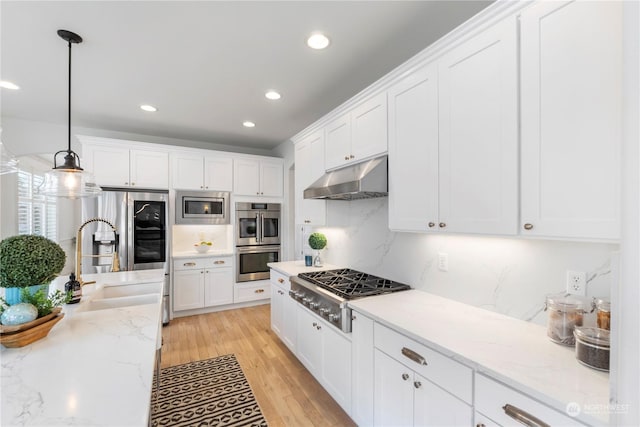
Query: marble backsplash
{"x": 508, "y": 275}
{"x": 185, "y": 236}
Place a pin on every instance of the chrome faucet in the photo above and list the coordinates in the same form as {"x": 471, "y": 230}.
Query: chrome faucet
{"x": 115, "y": 263}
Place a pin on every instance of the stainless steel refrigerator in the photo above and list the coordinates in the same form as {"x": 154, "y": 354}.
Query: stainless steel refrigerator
{"x": 141, "y": 238}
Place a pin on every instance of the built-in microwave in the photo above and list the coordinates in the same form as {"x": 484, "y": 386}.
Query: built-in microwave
{"x": 202, "y": 207}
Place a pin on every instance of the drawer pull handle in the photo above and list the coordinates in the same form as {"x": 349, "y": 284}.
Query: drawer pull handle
{"x": 431, "y": 224}
{"x": 480, "y": 425}
{"x": 281, "y": 280}
{"x": 442, "y": 225}
{"x": 189, "y": 264}
{"x": 259, "y": 291}
{"x": 414, "y": 356}
{"x": 218, "y": 262}
{"x": 528, "y": 226}
{"x": 523, "y": 417}
{"x": 405, "y": 376}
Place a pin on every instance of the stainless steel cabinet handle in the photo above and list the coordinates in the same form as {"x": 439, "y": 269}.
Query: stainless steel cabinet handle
{"x": 315, "y": 324}
{"x": 480, "y": 425}
{"x": 414, "y": 356}
{"x": 346, "y": 157}
{"x": 405, "y": 376}
{"x": 280, "y": 280}
{"x": 201, "y": 272}
{"x": 189, "y": 264}
{"x": 318, "y": 327}
{"x": 133, "y": 183}
{"x": 351, "y": 156}
{"x": 258, "y": 291}
{"x": 126, "y": 183}
{"x": 432, "y": 224}
{"x": 218, "y": 262}
{"x": 528, "y": 226}
{"x": 353, "y": 317}
{"x": 442, "y": 225}
{"x": 523, "y": 417}
{"x": 417, "y": 384}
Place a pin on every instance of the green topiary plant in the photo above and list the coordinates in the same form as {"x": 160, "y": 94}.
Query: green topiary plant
{"x": 317, "y": 241}
{"x": 29, "y": 260}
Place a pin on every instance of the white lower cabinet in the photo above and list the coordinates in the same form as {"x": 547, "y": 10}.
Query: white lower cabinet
{"x": 202, "y": 282}
{"x": 283, "y": 310}
{"x": 499, "y": 405}
{"x": 362, "y": 369}
{"x": 326, "y": 353}
{"x": 417, "y": 386}
{"x": 251, "y": 291}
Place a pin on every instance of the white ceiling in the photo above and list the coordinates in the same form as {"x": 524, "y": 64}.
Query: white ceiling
{"x": 207, "y": 64}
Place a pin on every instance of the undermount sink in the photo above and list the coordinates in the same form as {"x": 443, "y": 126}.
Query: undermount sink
{"x": 119, "y": 302}
{"x": 118, "y": 291}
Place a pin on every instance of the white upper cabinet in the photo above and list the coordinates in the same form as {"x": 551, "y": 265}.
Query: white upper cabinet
{"x": 453, "y": 140}
{"x": 309, "y": 166}
{"x": 190, "y": 171}
{"x": 478, "y": 99}
{"x": 571, "y": 117}
{"x": 357, "y": 135}
{"x": 254, "y": 177}
{"x": 117, "y": 166}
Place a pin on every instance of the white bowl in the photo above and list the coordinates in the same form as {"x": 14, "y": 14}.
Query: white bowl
{"x": 202, "y": 248}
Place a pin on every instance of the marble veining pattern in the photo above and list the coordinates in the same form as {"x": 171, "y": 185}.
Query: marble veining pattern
{"x": 95, "y": 368}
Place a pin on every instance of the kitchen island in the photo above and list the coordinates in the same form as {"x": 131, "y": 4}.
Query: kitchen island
{"x": 95, "y": 368}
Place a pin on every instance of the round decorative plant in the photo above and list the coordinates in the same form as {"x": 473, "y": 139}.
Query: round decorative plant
{"x": 29, "y": 260}
{"x": 317, "y": 241}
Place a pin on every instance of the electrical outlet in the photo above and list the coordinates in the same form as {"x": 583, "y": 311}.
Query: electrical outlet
{"x": 576, "y": 282}
{"x": 443, "y": 261}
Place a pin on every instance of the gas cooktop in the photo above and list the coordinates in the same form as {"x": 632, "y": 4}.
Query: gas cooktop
{"x": 350, "y": 284}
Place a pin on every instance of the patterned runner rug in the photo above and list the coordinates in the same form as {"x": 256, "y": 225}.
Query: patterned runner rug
{"x": 212, "y": 392}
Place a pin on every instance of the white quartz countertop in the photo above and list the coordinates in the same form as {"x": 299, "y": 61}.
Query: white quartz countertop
{"x": 293, "y": 268}
{"x": 194, "y": 254}
{"x": 512, "y": 351}
{"x": 95, "y": 368}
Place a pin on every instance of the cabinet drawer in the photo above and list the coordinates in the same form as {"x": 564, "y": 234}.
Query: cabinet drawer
{"x": 279, "y": 279}
{"x": 218, "y": 262}
{"x": 190, "y": 264}
{"x": 251, "y": 292}
{"x": 443, "y": 371}
{"x": 491, "y": 396}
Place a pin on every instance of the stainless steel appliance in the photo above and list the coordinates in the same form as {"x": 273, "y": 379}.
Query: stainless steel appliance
{"x": 202, "y": 207}
{"x": 257, "y": 234}
{"x": 327, "y": 292}
{"x": 141, "y": 236}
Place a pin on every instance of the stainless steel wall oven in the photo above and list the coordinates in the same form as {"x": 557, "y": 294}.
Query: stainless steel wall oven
{"x": 258, "y": 236}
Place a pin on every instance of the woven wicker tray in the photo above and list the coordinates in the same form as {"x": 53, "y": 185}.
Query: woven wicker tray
{"x": 20, "y": 335}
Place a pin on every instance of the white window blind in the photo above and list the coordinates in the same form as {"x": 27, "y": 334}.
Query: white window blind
{"x": 37, "y": 214}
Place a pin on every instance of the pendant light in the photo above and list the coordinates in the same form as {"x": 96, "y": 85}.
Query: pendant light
{"x": 8, "y": 162}
{"x": 69, "y": 179}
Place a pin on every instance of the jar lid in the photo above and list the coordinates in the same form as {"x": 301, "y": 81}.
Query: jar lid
{"x": 603, "y": 304}
{"x": 563, "y": 302}
{"x": 592, "y": 335}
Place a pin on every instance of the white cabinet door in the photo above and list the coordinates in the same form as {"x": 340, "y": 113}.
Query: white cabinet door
{"x": 110, "y": 165}
{"x": 218, "y": 173}
{"x": 478, "y": 119}
{"x": 277, "y": 309}
{"x": 149, "y": 169}
{"x": 246, "y": 179}
{"x": 309, "y": 161}
{"x": 571, "y": 116}
{"x": 188, "y": 289}
{"x": 336, "y": 365}
{"x": 393, "y": 399}
{"x": 271, "y": 179}
{"x": 289, "y": 322}
{"x": 309, "y": 341}
{"x": 218, "y": 286}
{"x": 369, "y": 128}
{"x": 435, "y": 407}
{"x": 186, "y": 171}
{"x": 413, "y": 152}
{"x": 362, "y": 366}
{"x": 338, "y": 142}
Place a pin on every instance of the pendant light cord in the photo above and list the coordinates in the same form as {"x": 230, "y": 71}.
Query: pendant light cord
{"x": 69, "y": 95}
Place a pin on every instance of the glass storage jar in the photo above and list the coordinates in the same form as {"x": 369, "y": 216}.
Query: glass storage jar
{"x": 565, "y": 313}
{"x": 603, "y": 313}
{"x": 593, "y": 347}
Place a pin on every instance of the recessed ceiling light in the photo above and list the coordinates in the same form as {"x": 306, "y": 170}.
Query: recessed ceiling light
{"x": 272, "y": 95}
{"x": 248, "y": 124}
{"x": 147, "y": 107}
{"x": 8, "y": 85}
{"x": 318, "y": 41}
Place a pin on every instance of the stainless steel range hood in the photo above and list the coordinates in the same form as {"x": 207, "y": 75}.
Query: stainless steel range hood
{"x": 360, "y": 181}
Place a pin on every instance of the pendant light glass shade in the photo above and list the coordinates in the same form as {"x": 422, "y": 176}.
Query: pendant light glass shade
{"x": 69, "y": 179}
{"x": 8, "y": 162}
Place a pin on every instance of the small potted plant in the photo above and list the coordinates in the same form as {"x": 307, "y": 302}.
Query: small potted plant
{"x": 317, "y": 241}
{"x": 28, "y": 261}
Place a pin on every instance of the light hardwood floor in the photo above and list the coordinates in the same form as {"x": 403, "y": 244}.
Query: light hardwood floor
{"x": 287, "y": 393}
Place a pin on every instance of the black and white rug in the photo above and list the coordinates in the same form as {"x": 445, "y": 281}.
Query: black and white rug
{"x": 212, "y": 392}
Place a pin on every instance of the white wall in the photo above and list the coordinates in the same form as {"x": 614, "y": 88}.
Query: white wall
{"x": 508, "y": 275}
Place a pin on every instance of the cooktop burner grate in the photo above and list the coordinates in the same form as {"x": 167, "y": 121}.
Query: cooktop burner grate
{"x": 350, "y": 284}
